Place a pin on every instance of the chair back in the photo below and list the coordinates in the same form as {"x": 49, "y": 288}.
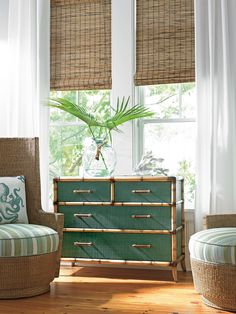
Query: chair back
{"x": 20, "y": 156}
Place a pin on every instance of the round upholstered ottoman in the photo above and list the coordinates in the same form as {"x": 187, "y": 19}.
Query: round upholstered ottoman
{"x": 27, "y": 259}
{"x": 213, "y": 262}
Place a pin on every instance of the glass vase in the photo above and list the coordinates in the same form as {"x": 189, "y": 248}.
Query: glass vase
{"x": 99, "y": 159}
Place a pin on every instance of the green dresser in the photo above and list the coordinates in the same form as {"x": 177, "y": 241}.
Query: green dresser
{"x": 122, "y": 220}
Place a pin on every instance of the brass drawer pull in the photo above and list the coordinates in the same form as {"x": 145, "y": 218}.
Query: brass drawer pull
{"x": 141, "y": 216}
{"x": 83, "y": 243}
{"x": 82, "y": 191}
{"x": 141, "y": 191}
{"x": 83, "y": 215}
{"x": 148, "y": 246}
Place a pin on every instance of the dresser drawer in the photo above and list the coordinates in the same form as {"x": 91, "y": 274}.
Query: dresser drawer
{"x": 82, "y": 191}
{"x": 117, "y": 246}
{"x": 143, "y": 191}
{"x": 118, "y": 217}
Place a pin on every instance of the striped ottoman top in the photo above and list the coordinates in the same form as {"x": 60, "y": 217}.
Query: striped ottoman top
{"x": 216, "y": 245}
{"x": 27, "y": 240}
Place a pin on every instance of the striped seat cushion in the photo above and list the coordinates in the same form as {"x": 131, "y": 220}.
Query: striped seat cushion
{"x": 216, "y": 245}
{"x": 27, "y": 240}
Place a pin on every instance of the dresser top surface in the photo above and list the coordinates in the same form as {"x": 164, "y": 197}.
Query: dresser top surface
{"x": 121, "y": 179}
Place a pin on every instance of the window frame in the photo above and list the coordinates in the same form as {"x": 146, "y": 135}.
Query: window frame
{"x": 138, "y": 126}
{"x": 138, "y": 129}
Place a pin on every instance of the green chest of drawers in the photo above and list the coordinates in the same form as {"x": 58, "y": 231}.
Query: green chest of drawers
{"x": 122, "y": 220}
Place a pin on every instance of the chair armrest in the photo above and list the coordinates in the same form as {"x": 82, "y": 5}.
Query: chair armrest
{"x": 54, "y": 221}
{"x": 51, "y": 220}
{"x": 217, "y": 221}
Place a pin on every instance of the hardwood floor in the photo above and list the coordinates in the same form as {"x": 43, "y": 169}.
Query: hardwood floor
{"x": 93, "y": 290}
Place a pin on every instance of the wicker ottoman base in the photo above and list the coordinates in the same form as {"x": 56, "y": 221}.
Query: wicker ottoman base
{"x": 216, "y": 283}
{"x": 26, "y": 276}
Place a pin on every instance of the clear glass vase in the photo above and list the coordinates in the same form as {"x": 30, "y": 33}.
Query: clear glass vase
{"x": 99, "y": 159}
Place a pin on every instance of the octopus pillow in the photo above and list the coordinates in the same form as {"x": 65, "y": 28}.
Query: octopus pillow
{"x": 12, "y": 200}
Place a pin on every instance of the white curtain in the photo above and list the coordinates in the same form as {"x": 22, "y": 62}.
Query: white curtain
{"x": 216, "y": 102}
{"x": 24, "y": 77}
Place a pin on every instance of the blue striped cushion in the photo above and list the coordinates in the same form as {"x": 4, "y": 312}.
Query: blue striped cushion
{"x": 216, "y": 245}
{"x": 27, "y": 240}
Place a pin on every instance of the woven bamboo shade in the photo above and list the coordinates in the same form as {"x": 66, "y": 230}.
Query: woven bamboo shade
{"x": 80, "y": 44}
{"x": 164, "y": 42}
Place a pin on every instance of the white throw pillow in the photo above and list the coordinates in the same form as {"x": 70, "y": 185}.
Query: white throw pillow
{"x": 13, "y": 200}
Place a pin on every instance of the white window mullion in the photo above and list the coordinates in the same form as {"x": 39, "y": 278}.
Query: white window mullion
{"x": 138, "y": 137}
{"x": 122, "y": 77}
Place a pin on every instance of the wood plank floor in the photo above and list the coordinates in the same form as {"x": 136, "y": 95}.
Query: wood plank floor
{"x": 93, "y": 290}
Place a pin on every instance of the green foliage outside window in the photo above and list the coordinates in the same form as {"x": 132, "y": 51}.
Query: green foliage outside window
{"x": 171, "y": 100}
{"x": 186, "y": 170}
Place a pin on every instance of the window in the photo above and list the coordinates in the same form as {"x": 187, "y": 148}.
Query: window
{"x": 175, "y": 112}
{"x": 171, "y": 133}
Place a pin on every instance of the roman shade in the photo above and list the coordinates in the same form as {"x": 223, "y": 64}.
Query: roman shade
{"x": 80, "y": 44}
{"x": 164, "y": 42}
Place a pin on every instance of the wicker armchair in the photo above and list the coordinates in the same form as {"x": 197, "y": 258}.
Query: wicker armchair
{"x": 214, "y": 272}
{"x": 25, "y": 276}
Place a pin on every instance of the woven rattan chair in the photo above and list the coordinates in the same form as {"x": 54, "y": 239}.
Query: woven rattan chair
{"x": 26, "y": 276}
{"x": 216, "y": 281}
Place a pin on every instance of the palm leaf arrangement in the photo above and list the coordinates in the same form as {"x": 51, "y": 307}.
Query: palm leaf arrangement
{"x": 101, "y": 126}
{"x": 120, "y": 115}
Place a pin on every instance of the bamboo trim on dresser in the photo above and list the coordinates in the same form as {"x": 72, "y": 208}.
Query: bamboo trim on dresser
{"x": 55, "y": 203}
{"x": 173, "y": 226}
{"x": 118, "y": 179}
{"x": 117, "y": 262}
{"x": 183, "y": 264}
{"x": 116, "y": 204}
{"x": 179, "y": 259}
{"x": 84, "y": 203}
{"x": 122, "y": 230}
{"x": 143, "y": 179}
{"x": 173, "y": 206}
{"x": 124, "y": 262}
{"x": 82, "y": 179}
{"x": 146, "y": 204}
{"x": 141, "y": 204}
{"x": 112, "y": 192}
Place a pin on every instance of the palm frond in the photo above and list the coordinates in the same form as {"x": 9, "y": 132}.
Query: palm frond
{"x": 75, "y": 110}
{"x": 124, "y": 114}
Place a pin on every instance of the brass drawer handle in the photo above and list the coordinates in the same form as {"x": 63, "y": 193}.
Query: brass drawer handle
{"x": 83, "y": 215}
{"x": 82, "y": 191}
{"x": 141, "y": 216}
{"x": 148, "y": 246}
{"x": 141, "y": 191}
{"x": 83, "y": 243}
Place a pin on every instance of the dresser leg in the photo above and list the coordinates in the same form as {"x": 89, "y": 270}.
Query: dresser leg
{"x": 174, "y": 273}
{"x": 183, "y": 265}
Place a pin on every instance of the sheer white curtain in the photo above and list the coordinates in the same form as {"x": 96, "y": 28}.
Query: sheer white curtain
{"x": 24, "y": 75}
{"x": 216, "y": 101}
